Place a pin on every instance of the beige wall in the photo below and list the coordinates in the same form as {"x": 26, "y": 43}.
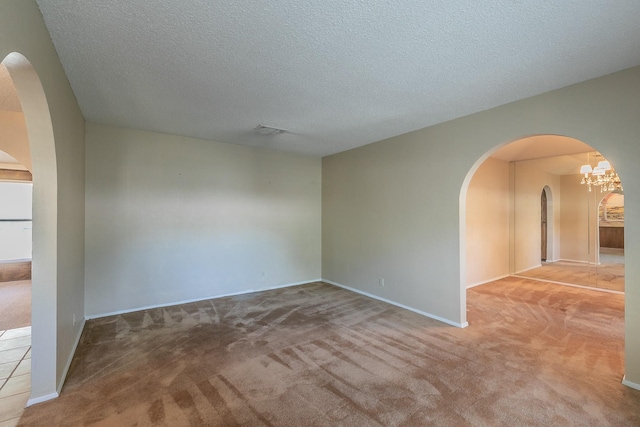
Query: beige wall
{"x": 13, "y": 137}
{"x": 386, "y": 212}
{"x": 396, "y": 207}
{"x": 487, "y": 219}
{"x": 579, "y": 221}
{"x": 57, "y": 151}
{"x": 172, "y": 219}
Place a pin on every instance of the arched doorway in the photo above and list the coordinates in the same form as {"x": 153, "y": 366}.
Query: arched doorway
{"x": 545, "y": 243}
{"x": 15, "y": 221}
{"x": 547, "y": 247}
{"x": 514, "y": 187}
{"x": 535, "y": 211}
{"x": 45, "y": 219}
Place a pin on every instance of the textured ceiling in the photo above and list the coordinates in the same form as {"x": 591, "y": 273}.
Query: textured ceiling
{"x": 336, "y": 74}
{"x": 9, "y": 100}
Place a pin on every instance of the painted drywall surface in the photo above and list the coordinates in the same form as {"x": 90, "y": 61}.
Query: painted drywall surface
{"x": 529, "y": 183}
{"x": 171, "y": 219}
{"x": 386, "y": 215}
{"x": 70, "y": 151}
{"x": 13, "y": 137}
{"x": 58, "y": 272}
{"x": 488, "y": 222}
{"x": 579, "y": 216}
{"x": 393, "y": 208}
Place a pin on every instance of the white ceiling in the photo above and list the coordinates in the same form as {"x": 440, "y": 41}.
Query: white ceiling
{"x": 8, "y": 95}
{"x": 554, "y": 154}
{"x": 6, "y": 158}
{"x": 336, "y": 73}
{"x": 8, "y": 162}
{"x": 559, "y": 165}
{"x": 540, "y": 146}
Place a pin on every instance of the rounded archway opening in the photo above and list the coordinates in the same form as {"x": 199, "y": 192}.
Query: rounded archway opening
{"x": 501, "y": 216}
{"x": 15, "y": 217}
{"x": 42, "y": 159}
{"x": 523, "y": 206}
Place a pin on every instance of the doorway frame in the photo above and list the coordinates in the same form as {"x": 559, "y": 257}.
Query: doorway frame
{"x": 550, "y": 252}
{"x": 463, "y": 244}
{"x": 45, "y": 222}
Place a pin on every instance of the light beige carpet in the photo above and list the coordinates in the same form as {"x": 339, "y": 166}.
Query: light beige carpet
{"x": 15, "y": 304}
{"x": 535, "y": 354}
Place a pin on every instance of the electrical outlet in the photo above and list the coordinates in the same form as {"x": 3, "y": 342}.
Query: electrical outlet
{"x": 381, "y": 282}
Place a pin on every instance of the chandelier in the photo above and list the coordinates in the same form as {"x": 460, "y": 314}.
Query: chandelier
{"x": 602, "y": 176}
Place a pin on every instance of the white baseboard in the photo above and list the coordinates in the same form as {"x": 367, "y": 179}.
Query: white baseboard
{"x": 590, "y": 288}
{"x": 576, "y": 261}
{"x": 528, "y": 268}
{"x": 169, "y": 304}
{"x": 14, "y": 261}
{"x": 630, "y": 384}
{"x": 73, "y": 352}
{"x": 473, "y": 285}
{"x": 423, "y": 313}
{"x": 40, "y": 399}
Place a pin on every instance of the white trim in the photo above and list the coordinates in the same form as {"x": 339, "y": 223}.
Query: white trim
{"x": 629, "y": 383}
{"x": 63, "y": 377}
{"x": 473, "y": 285}
{"x": 169, "y": 304}
{"x": 40, "y": 399}
{"x": 528, "y": 268}
{"x": 423, "y": 313}
{"x": 14, "y": 261}
{"x": 573, "y": 261}
{"x": 50, "y": 396}
{"x": 611, "y": 291}
{"x": 577, "y": 261}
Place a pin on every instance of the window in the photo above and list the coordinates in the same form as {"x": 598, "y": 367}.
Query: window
{"x": 15, "y": 220}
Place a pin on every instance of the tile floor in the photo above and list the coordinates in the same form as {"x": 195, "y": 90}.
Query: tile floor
{"x": 15, "y": 374}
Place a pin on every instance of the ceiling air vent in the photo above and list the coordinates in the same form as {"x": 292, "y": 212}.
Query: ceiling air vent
{"x": 269, "y": 130}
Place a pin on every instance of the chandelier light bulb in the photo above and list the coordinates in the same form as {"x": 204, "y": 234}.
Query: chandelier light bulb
{"x": 598, "y": 176}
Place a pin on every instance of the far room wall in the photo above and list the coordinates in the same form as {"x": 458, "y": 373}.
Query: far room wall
{"x": 171, "y": 219}
{"x": 579, "y": 221}
{"x": 574, "y": 220}
{"x": 13, "y": 137}
{"x": 529, "y": 182}
{"x": 488, "y": 212}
